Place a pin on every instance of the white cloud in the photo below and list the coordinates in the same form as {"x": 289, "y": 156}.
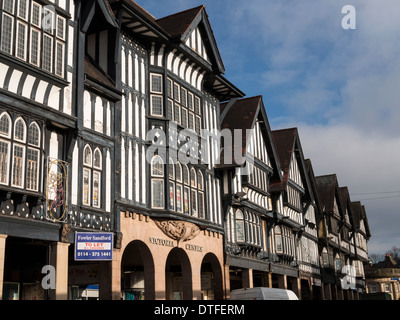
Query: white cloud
{"x": 365, "y": 163}
{"x": 340, "y": 87}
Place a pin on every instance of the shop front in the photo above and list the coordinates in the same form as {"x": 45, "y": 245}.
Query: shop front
{"x": 161, "y": 259}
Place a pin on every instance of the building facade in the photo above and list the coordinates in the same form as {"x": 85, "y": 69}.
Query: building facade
{"x": 383, "y": 278}
{"x": 112, "y": 120}
{"x": 168, "y": 193}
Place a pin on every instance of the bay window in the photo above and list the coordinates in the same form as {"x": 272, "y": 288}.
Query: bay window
{"x": 184, "y": 107}
{"x": 186, "y": 188}
{"x": 23, "y": 34}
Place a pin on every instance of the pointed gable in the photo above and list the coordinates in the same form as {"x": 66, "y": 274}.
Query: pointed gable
{"x": 291, "y": 160}
{"x": 193, "y": 29}
{"x": 243, "y": 114}
{"x": 327, "y": 187}
{"x": 345, "y": 203}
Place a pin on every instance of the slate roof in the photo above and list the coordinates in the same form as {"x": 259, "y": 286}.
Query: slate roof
{"x": 242, "y": 114}
{"x": 286, "y": 141}
{"x": 177, "y": 24}
{"x": 344, "y": 198}
{"x": 327, "y": 186}
{"x": 358, "y": 212}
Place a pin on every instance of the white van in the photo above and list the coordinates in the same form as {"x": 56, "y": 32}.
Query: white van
{"x": 263, "y": 294}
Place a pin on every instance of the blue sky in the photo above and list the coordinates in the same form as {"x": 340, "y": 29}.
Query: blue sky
{"x": 339, "y": 87}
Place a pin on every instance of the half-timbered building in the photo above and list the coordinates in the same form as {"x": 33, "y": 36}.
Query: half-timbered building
{"x": 168, "y": 196}
{"x": 361, "y": 236}
{"x": 248, "y": 164}
{"x": 337, "y": 253}
{"x": 38, "y": 123}
{"x": 295, "y": 242}
{"x": 113, "y": 120}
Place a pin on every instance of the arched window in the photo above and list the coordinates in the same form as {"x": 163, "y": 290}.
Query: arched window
{"x": 171, "y": 169}
{"x": 157, "y": 167}
{"x": 20, "y": 157}
{"x": 157, "y": 182}
{"x": 5, "y": 147}
{"x": 87, "y": 156}
{"x": 325, "y": 257}
{"x": 19, "y": 130}
{"x": 239, "y": 226}
{"x": 186, "y": 190}
{"x": 200, "y": 187}
{"x": 5, "y": 125}
{"x": 193, "y": 178}
{"x": 87, "y": 175}
{"x": 278, "y": 239}
{"x": 179, "y": 190}
{"x": 230, "y": 226}
{"x": 178, "y": 172}
{"x": 97, "y": 159}
{"x": 171, "y": 174}
{"x": 193, "y": 184}
{"x": 185, "y": 175}
{"x": 18, "y": 169}
{"x": 97, "y": 165}
{"x": 32, "y": 158}
{"x": 34, "y": 134}
{"x": 338, "y": 264}
{"x": 92, "y": 172}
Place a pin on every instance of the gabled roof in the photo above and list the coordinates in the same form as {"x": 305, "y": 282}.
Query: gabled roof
{"x": 313, "y": 184}
{"x": 318, "y": 212}
{"x": 89, "y": 10}
{"x": 287, "y": 141}
{"x": 345, "y": 202}
{"x": 180, "y": 25}
{"x": 359, "y": 214}
{"x": 177, "y": 24}
{"x": 242, "y": 114}
{"x": 327, "y": 187}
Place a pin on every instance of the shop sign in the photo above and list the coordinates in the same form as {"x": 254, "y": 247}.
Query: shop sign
{"x": 192, "y": 247}
{"x": 317, "y": 282}
{"x": 93, "y": 246}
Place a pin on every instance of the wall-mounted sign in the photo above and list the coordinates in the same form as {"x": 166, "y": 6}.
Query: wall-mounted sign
{"x": 94, "y": 246}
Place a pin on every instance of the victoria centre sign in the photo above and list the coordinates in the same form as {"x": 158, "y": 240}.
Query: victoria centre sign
{"x": 93, "y": 246}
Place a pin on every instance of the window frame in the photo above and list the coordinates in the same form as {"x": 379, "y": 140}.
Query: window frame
{"x": 279, "y": 248}
{"x": 157, "y": 177}
{"x": 94, "y": 195}
{"x": 26, "y": 171}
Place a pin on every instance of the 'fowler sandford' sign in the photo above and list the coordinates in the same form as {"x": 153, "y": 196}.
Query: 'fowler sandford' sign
{"x": 93, "y": 246}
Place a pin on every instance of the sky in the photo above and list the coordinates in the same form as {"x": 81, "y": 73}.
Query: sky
{"x": 339, "y": 87}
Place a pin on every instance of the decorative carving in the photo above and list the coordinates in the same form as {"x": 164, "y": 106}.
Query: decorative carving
{"x": 178, "y": 230}
{"x": 65, "y": 232}
{"x": 118, "y": 240}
